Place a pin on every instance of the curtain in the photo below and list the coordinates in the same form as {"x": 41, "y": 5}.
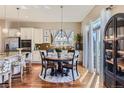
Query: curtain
{"x": 85, "y": 46}
{"x": 88, "y": 48}
{"x": 105, "y": 16}
{"x": 91, "y": 49}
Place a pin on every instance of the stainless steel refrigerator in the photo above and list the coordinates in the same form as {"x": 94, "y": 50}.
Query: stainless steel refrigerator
{"x": 12, "y": 43}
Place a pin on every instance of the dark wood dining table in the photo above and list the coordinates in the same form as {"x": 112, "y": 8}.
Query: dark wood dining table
{"x": 59, "y": 61}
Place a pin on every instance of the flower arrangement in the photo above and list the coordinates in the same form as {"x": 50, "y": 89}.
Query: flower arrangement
{"x": 58, "y": 50}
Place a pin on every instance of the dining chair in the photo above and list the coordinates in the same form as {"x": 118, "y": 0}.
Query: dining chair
{"x": 72, "y": 64}
{"x": 5, "y": 74}
{"x": 28, "y": 60}
{"x": 17, "y": 67}
{"x": 49, "y": 51}
{"x": 46, "y": 64}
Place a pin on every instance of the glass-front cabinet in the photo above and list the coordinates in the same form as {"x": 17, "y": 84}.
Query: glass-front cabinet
{"x": 114, "y": 52}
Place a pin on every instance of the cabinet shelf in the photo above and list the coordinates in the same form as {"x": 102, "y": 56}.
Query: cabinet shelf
{"x": 119, "y": 37}
{"x": 109, "y": 50}
{"x": 121, "y": 52}
{"x": 119, "y": 63}
{"x": 109, "y": 39}
{"x": 108, "y": 61}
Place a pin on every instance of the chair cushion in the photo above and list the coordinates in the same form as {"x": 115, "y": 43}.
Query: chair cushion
{"x": 6, "y": 77}
{"x": 15, "y": 63}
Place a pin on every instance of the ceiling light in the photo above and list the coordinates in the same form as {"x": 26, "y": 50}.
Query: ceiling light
{"x": 5, "y": 30}
{"x": 18, "y": 33}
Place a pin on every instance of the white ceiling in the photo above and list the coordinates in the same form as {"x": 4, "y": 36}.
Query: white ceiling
{"x": 45, "y": 13}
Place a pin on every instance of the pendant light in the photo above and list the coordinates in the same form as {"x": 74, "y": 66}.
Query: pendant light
{"x": 18, "y": 33}
{"x": 5, "y": 29}
{"x": 61, "y": 19}
{"x": 63, "y": 34}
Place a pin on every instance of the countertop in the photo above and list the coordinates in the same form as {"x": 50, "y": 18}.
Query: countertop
{"x": 10, "y": 54}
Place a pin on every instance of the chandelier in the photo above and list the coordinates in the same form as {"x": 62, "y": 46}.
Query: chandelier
{"x": 62, "y": 35}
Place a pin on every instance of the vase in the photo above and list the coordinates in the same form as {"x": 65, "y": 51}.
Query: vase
{"x": 58, "y": 54}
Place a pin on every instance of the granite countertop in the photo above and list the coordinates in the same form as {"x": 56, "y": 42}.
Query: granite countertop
{"x": 10, "y": 54}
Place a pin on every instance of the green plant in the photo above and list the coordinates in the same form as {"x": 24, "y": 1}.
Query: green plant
{"x": 58, "y": 50}
{"x": 77, "y": 37}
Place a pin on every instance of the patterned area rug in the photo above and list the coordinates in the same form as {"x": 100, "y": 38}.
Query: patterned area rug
{"x": 59, "y": 78}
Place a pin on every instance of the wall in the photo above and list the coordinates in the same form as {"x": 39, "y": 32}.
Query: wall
{"x": 96, "y": 11}
{"x": 2, "y": 24}
{"x": 74, "y": 26}
{"x": 94, "y": 14}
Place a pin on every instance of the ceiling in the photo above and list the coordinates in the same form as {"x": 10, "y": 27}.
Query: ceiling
{"x": 45, "y": 13}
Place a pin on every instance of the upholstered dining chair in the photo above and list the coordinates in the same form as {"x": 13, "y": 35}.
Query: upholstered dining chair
{"x": 17, "y": 64}
{"x": 49, "y": 51}
{"x": 28, "y": 60}
{"x": 46, "y": 64}
{"x": 73, "y": 63}
{"x": 5, "y": 74}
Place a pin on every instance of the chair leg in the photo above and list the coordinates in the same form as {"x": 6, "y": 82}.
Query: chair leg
{"x": 41, "y": 71}
{"x": 62, "y": 72}
{"x": 77, "y": 70}
{"x": 10, "y": 80}
{"x": 73, "y": 75}
{"x": 45, "y": 73}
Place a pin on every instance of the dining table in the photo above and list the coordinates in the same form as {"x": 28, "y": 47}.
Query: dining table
{"x": 59, "y": 60}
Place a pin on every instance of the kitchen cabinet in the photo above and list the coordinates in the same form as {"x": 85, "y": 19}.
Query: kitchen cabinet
{"x": 47, "y": 36}
{"x": 36, "y": 58}
{"x": 13, "y": 32}
{"x": 27, "y": 33}
{"x": 38, "y": 36}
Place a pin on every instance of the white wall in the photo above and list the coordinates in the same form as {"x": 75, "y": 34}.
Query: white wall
{"x": 0, "y": 40}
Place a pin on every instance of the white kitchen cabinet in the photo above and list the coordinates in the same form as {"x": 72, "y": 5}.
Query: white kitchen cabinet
{"x": 46, "y": 36}
{"x": 38, "y": 36}
{"x": 13, "y": 32}
{"x": 27, "y": 33}
{"x": 36, "y": 58}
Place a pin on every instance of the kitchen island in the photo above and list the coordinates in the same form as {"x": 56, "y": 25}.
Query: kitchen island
{"x": 7, "y": 55}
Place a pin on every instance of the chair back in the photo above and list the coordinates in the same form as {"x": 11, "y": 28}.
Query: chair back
{"x": 75, "y": 55}
{"x": 5, "y": 70}
{"x": 49, "y": 51}
{"x": 16, "y": 64}
{"x": 42, "y": 54}
{"x": 72, "y": 55}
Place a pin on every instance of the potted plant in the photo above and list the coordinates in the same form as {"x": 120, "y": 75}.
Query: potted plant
{"x": 78, "y": 39}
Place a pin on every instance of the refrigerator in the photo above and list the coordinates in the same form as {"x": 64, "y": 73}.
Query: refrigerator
{"x": 12, "y": 43}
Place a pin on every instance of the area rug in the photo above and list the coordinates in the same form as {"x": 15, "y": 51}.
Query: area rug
{"x": 59, "y": 78}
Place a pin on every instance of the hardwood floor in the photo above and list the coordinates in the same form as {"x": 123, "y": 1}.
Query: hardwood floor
{"x": 32, "y": 80}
